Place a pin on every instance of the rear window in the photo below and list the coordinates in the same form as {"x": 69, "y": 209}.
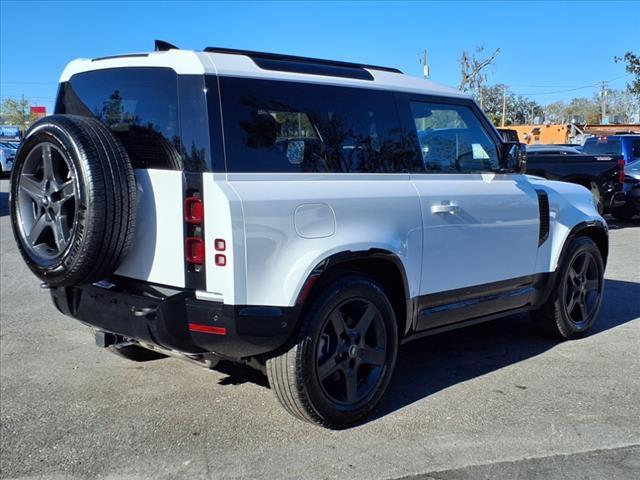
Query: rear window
{"x": 140, "y": 105}
{"x": 300, "y": 127}
{"x": 610, "y": 146}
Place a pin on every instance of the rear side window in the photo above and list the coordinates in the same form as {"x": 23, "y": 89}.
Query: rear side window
{"x": 602, "y": 146}
{"x": 140, "y": 105}
{"x": 452, "y": 140}
{"x": 298, "y": 127}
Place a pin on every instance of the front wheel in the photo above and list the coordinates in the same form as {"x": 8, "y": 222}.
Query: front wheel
{"x": 574, "y": 303}
{"x": 343, "y": 358}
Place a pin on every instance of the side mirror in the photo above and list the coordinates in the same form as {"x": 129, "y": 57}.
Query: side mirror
{"x": 513, "y": 157}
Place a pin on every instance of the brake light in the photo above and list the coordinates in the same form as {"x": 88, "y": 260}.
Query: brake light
{"x": 193, "y": 210}
{"x": 621, "y": 171}
{"x": 194, "y": 250}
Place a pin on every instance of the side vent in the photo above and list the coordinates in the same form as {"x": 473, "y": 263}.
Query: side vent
{"x": 543, "y": 207}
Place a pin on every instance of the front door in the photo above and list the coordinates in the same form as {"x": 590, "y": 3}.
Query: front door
{"x": 480, "y": 227}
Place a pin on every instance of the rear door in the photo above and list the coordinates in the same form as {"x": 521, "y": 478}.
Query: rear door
{"x": 480, "y": 227}
{"x": 161, "y": 119}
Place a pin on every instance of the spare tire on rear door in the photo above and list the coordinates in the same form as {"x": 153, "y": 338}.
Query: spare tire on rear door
{"x": 73, "y": 200}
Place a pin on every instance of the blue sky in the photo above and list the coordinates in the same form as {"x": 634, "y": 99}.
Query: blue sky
{"x": 547, "y": 48}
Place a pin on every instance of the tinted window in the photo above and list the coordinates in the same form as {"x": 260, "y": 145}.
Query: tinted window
{"x": 452, "y": 139}
{"x": 635, "y": 148}
{"x": 606, "y": 146}
{"x": 140, "y": 105}
{"x": 296, "y": 127}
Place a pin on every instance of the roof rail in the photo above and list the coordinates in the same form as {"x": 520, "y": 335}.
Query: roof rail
{"x": 294, "y": 58}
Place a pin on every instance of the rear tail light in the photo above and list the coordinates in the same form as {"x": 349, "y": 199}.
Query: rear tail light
{"x": 221, "y": 260}
{"x": 193, "y": 210}
{"x": 621, "y": 171}
{"x": 220, "y": 245}
{"x": 194, "y": 250}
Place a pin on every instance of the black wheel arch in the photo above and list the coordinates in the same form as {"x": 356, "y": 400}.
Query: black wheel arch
{"x": 383, "y": 266}
{"x": 597, "y": 231}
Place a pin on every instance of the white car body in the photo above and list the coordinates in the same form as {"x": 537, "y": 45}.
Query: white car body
{"x": 448, "y": 231}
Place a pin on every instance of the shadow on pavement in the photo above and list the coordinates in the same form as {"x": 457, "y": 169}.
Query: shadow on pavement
{"x": 4, "y": 204}
{"x": 615, "y": 224}
{"x": 435, "y": 363}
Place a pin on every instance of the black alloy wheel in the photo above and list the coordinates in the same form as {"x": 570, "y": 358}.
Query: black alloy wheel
{"x": 583, "y": 288}
{"x": 342, "y": 359}
{"x": 351, "y": 351}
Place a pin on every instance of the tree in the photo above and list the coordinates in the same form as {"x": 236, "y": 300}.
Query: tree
{"x": 633, "y": 67}
{"x": 519, "y": 109}
{"x": 471, "y": 75}
{"x": 555, "y": 112}
{"x": 17, "y": 112}
{"x": 623, "y": 103}
{"x": 588, "y": 109}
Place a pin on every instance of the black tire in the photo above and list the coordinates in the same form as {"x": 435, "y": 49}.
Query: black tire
{"x": 85, "y": 209}
{"x": 294, "y": 376}
{"x": 574, "y": 303}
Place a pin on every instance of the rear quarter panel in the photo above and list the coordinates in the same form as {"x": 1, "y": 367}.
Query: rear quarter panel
{"x": 288, "y": 226}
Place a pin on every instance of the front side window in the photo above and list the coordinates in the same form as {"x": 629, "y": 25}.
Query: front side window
{"x": 300, "y": 127}
{"x": 452, "y": 140}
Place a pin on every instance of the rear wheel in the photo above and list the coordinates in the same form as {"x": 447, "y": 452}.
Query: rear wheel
{"x": 575, "y": 301}
{"x": 344, "y": 356}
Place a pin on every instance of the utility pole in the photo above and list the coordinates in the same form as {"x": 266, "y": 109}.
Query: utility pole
{"x": 603, "y": 102}
{"x": 425, "y": 67}
{"x": 504, "y": 104}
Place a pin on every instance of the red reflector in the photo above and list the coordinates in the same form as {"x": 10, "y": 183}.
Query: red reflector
{"x": 198, "y": 327}
{"x": 221, "y": 260}
{"x": 194, "y": 250}
{"x": 219, "y": 244}
{"x": 306, "y": 289}
{"x": 193, "y": 210}
{"x": 621, "y": 172}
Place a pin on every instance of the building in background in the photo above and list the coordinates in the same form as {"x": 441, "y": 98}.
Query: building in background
{"x": 38, "y": 111}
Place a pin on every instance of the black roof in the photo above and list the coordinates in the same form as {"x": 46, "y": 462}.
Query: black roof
{"x": 293, "y": 58}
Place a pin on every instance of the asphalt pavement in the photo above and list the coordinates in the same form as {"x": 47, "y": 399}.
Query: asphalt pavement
{"x": 496, "y": 401}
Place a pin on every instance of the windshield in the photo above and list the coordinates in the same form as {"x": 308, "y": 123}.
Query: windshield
{"x": 608, "y": 146}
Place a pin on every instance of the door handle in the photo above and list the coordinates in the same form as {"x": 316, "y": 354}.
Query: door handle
{"x": 445, "y": 208}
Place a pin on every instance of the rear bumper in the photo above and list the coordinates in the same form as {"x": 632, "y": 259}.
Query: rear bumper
{"x": 176, "y": 320}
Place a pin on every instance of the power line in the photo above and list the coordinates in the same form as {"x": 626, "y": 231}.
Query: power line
{"x": 591, "y": 85}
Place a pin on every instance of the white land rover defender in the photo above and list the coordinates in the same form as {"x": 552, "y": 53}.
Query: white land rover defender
{"x": 303, "y": 216}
